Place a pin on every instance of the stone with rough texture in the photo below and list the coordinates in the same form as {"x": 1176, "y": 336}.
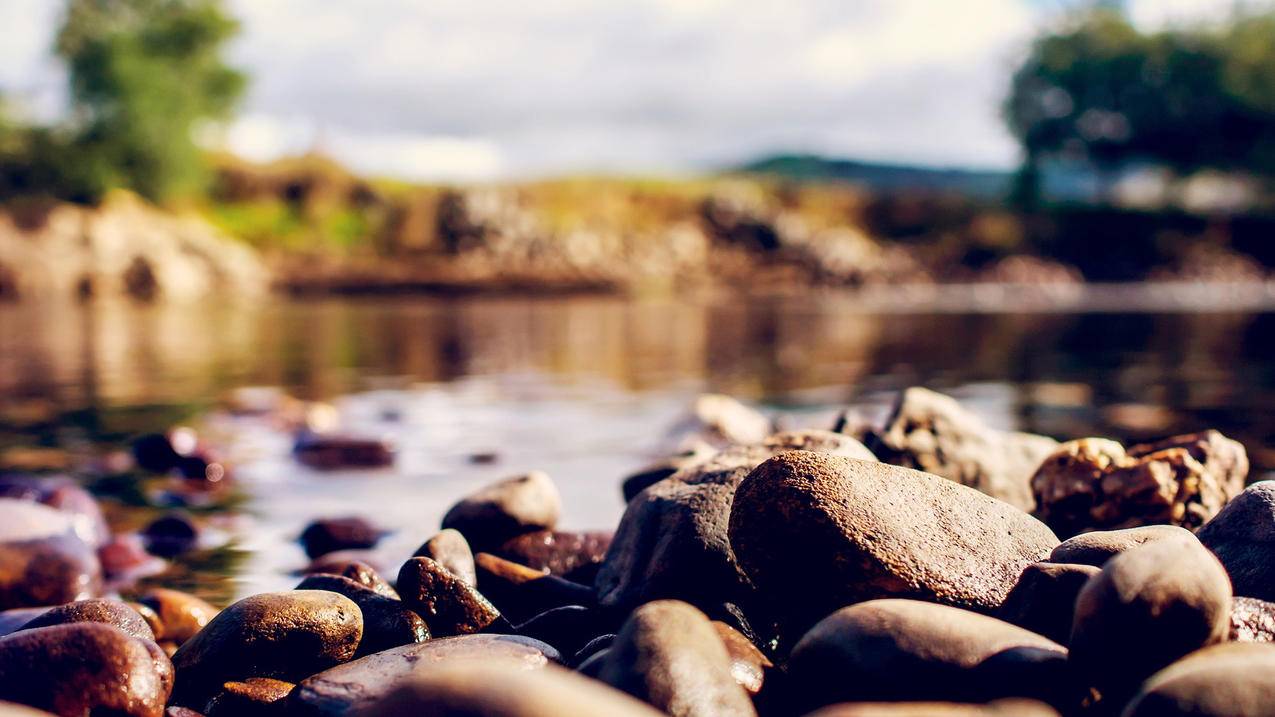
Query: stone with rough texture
{"x": 931, "y": 432}
{"x": 500, "y": 690}
{"x": 1252, "y": 620}
{"x": 84, "y": 669}
{"x": 498, "y": 512}
{"x": 387, "y": 622}
{"x": 288, "y": 636}
{"x": 1044, "y": 599}
{"x": 450, "y": 549}
{"x": 109, "y": 612}
{"x": 448, "y": 605}
{"x": 1096, "y": 484}
{"x": 669, "y": 655}
{"x": 1149, "y": 606}
{"x": 816, "y": 532}
{"x": 672, "y": 541}
{"x": 1242, "y": 536}
{"x": 1097, "y": 547}
{"x": 1227, "y": 680}
{"x": 253, "y": 697}
{"x": 353, "y": 686}
{"x": 43, "y": 561}
{"x": 910, "y": 650}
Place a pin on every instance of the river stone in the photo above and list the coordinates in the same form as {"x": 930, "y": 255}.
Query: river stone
{"x": 498, "y": 512}
{"x": 573, "y": 556}
{"x": 84, "y": 668}
{"x": 1227, "y": 680}
{"x": 181, "y": 614}
{"x": 387, "y": 622}
{"x": 42, "y": 559}
{"x": 1044, "y": 599}
{"x": 448, "y": 605}
{"x": 1242, "y": 536}
{"x": 450, "y": 549}
{"x": 999, "y": 708}
{"x": 895, "y": 649}
{"x": 497, "y": 689}
{"x": 1095, "y": 484}
{"x": 747, "y": 663}
{"x": 1252, "y": 620}
{"x": 346, "y": 689}
{"x": 816, "y": 532}
{"x": 521, "y": 593}
{"x": 1149, "y": 606}
{"x": 286, "y": 635}
{"x": 328, "y": 535}
{"x": 109, "y": 612}
{"x": 1099, "y": 546}
{"x": 669, "y": 655}
{"x": 931, "y": 432}
{"x": 253, "y": 697}
{"x": 673, "y": 542}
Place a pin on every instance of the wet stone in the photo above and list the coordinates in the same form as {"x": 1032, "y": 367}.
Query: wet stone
{"x": 287, "y": 636}
{"x": 171, "y": 535}
{"x": 352, "y": 687}
{"x": 448, "y": 605}
{"x": 253, "y": 697}
{"x": 747, "y": 663}
{"x": 329, "y": 535}
{"x": 522, "y": 593}
{"x": 84, "y": 668}
{"x": 450, "y": 549}
{"x": 109, "y": 612}
{"x": 42, "y": 559}
{"x": 573, "y": 556}
{"x": 387, "y": 622}
{"x": 181, "y": 614}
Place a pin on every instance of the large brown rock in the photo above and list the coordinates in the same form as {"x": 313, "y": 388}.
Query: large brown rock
{"x": 498, "y": 689}
{"x": 447, "y": 604}
{"x": 669, "y": 655}
{"x": 287, "y": 636}
{"x": 1149, "y": 606}
{"x": 931, "y": 432}
{"x": 353, "y": 686}
{"x": 673, "y": 543}
{"x": 109, "y": 612}
{"x": 1095, "y": 484}
{"x": 1227, "y": 680}
{"x": 84, "y": 669}
{"x": 387, "y": 622}
{"x": 909, "y": 650}
{"x": 43, "y": 561}
{"x": 816, "y": 532}
{"x": 498, "y": 512}
{"x": 1099, "y": 546}
{"x": 1242, "y": 536}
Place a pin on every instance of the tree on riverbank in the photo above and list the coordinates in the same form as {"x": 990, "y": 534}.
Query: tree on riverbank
{"x": 1102, "y": 93}
{"x": 144, "y": 74}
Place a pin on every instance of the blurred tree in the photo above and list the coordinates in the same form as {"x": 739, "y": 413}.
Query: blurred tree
{"x": 1102, "y": 92}
{"x": 143, "y": 75}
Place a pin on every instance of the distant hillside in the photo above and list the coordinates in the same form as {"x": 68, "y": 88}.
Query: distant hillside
{"x": 982, "y": 183}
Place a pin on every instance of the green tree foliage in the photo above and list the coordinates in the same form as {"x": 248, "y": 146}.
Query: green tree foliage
{"x": 143, "y": 75}
{"x": 1100, "y": 91}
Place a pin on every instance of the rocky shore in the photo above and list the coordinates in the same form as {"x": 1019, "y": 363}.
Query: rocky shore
{"x": 927, "y": 565}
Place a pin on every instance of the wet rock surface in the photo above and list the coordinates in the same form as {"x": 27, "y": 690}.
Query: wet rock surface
{"x": 387, "y": 622}
{"x": 108, "y": 612}
{"x": 815, "y": 532}
{"x": 180, "y": 614}
{"x": 932, "y": 432}
{"x": 84, "y": 668}
{"x": 287, "y": 636}
{"x": 1096, "y": 484}
{"x": 891, "y": 649}
{"x": 450, "y": 549}
{"x": 498, "y": 512}
{"x": 352, "y": 687}
{"x": 43, "y": 561}
{"x": 668, "y": 654}
{"x": 253, "y": 697}
{"x": 448, "y": 605}
{"x": 1149, "y": 606}
{"x": 1242, "y": 536}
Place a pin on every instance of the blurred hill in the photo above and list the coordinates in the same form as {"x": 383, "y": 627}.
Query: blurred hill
{"x": 987, "y": 184}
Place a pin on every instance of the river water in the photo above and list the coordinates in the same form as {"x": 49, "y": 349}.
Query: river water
{"x": 588, "y": 388}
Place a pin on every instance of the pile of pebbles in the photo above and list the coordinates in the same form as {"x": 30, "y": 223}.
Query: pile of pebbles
{"x": 800, "y": 572}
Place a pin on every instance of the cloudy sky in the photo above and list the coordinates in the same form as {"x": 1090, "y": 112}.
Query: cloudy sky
{"x": 482, "y": 89}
